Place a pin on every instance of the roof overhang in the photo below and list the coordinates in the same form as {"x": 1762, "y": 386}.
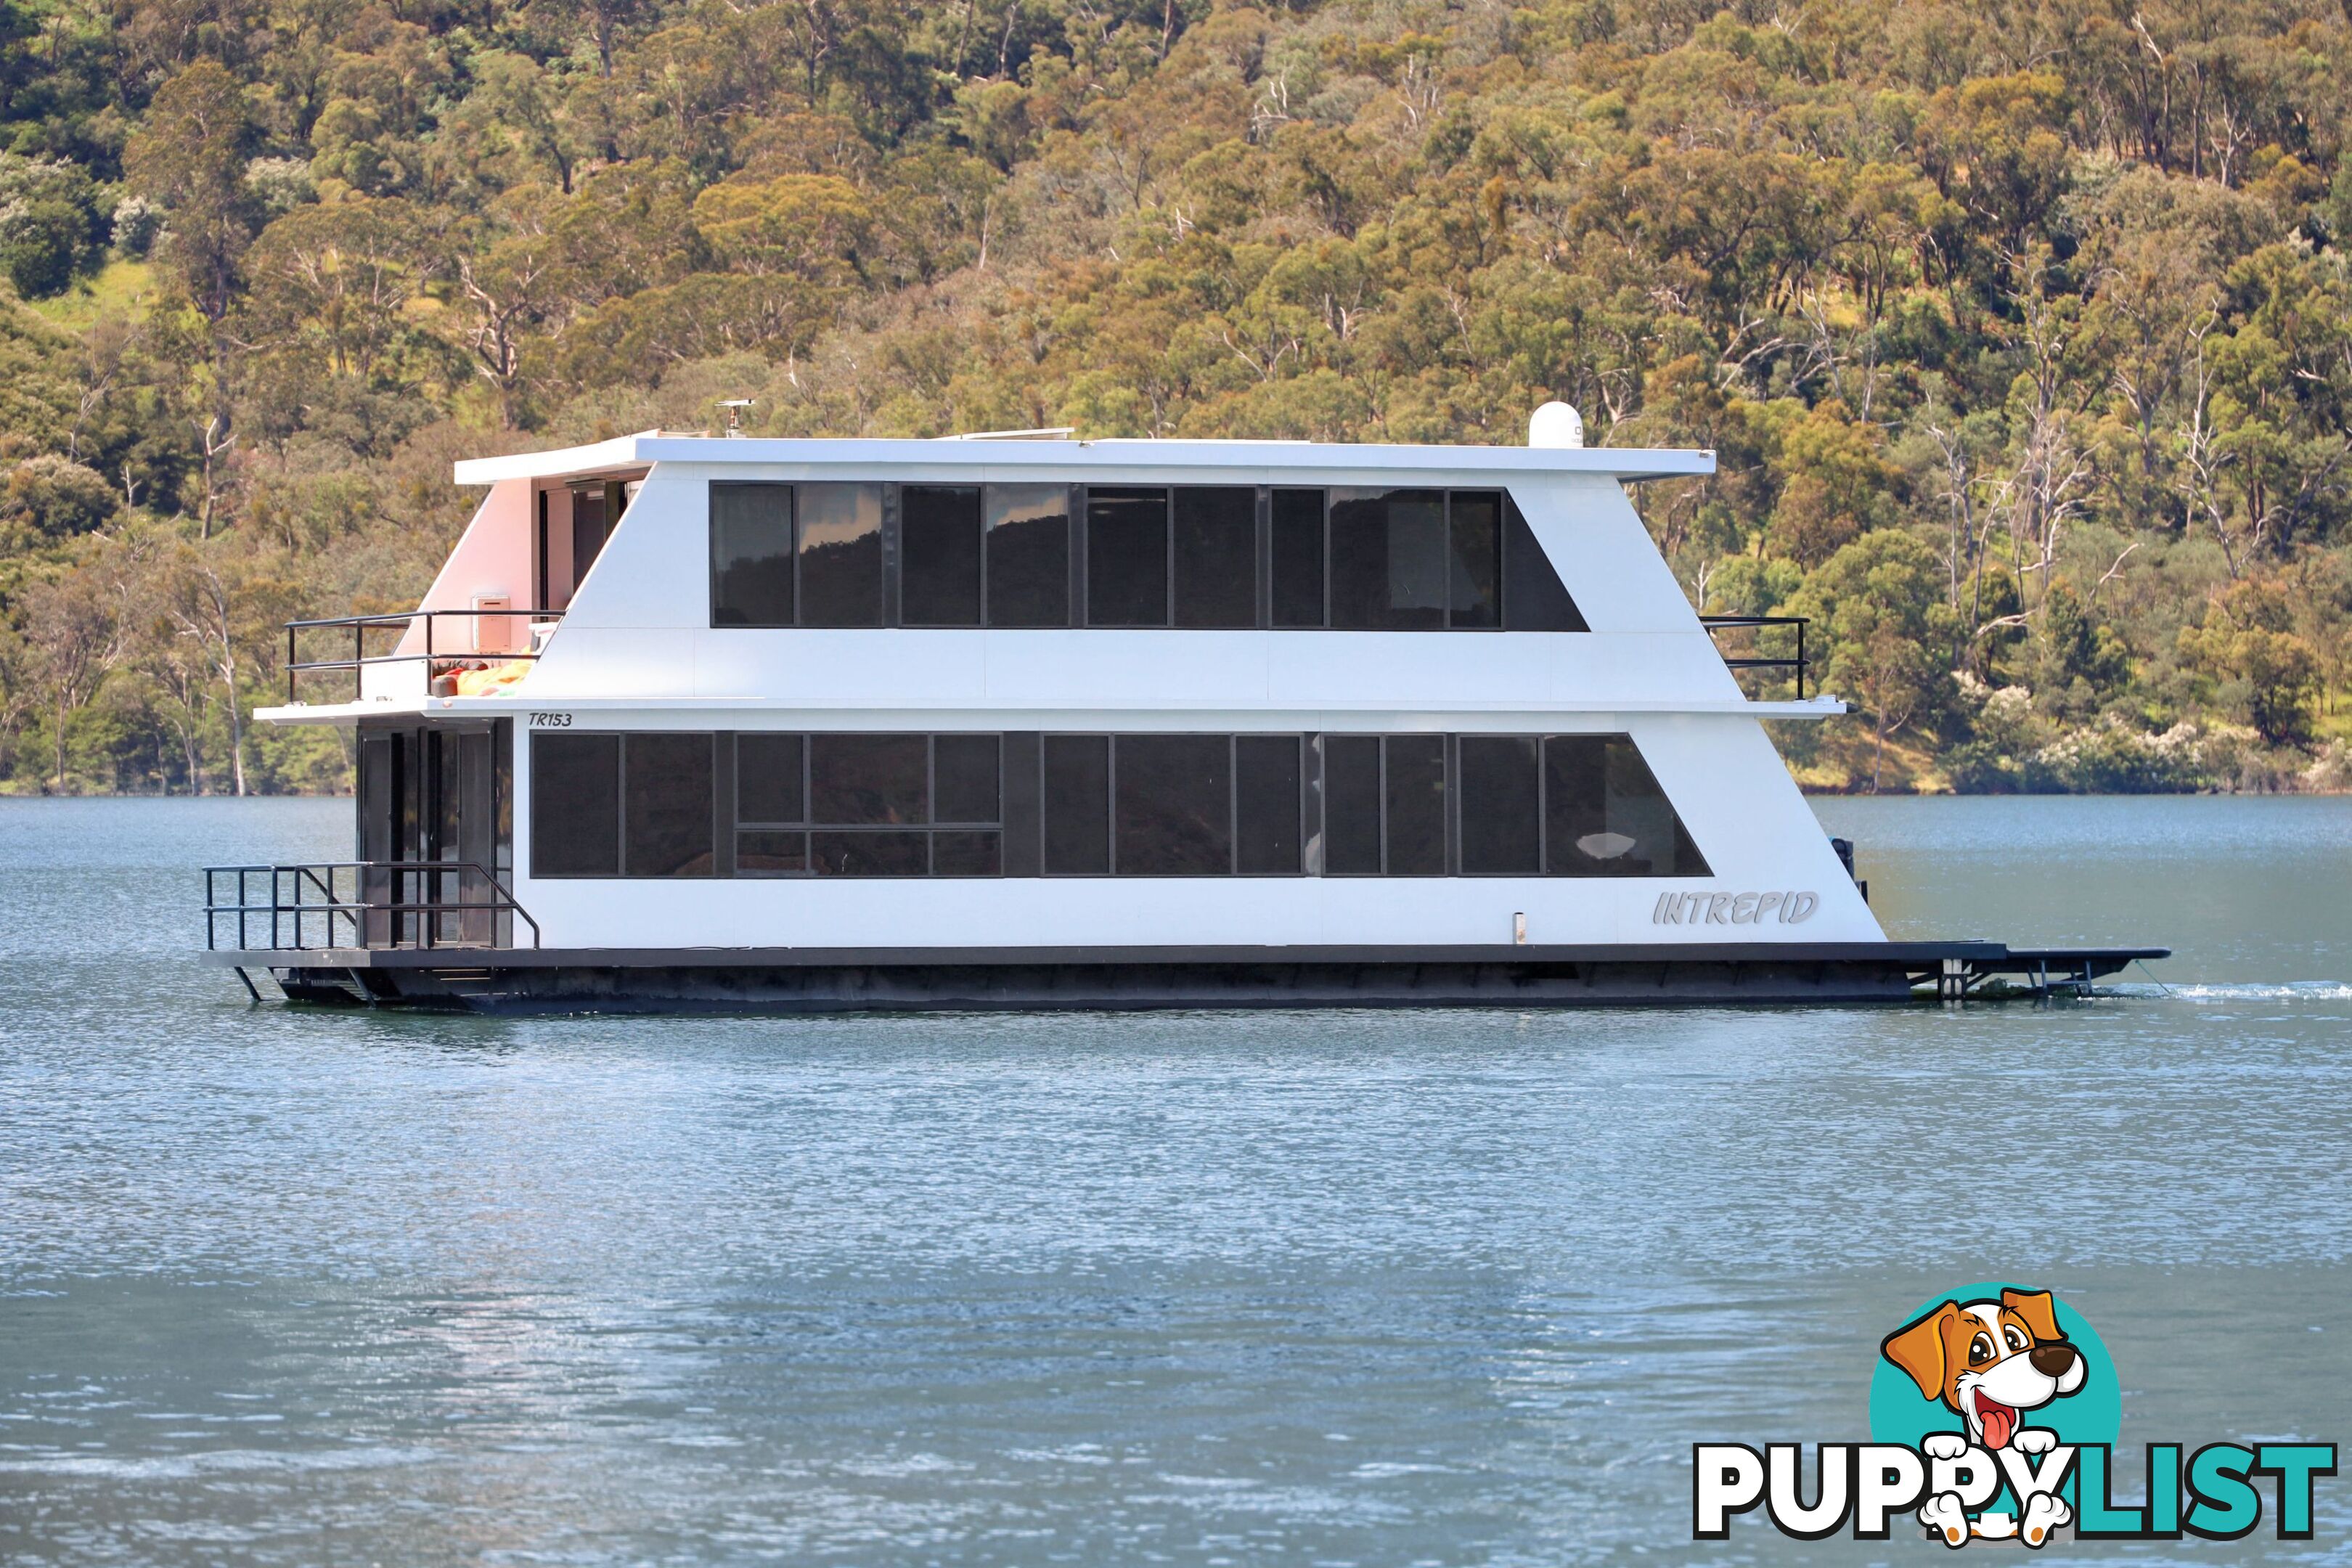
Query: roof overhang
{"x": 1020, "y": 714}
{"x": 1080, "y": 458}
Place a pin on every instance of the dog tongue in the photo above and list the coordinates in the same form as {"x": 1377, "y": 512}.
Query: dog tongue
{"x": 1999, "y": 1421}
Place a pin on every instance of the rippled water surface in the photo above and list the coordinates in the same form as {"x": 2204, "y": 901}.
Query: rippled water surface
{"x": 282, "y": 1287}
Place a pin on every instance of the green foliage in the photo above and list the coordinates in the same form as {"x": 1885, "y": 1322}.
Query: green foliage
{"x": 49, "y": 224}
{"x": 2024, "y": 340}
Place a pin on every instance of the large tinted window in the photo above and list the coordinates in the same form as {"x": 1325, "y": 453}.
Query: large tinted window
{"x": 1475, "y": 529}
{"x": 1217, "y": 556}
{"x": 1604, "y": 814}
{"x": 964, "y": 776}
{"x": 1175, "y": 805}
{"x": 870, "y": 854}
{"x": 841, "y": 554}
{"x": 1127, "y": 557}
{"x": 1501, "y": 811}
{"x": 871, "y": 804}
{"x": 1028, "y": 555}
{"x": 1295, "y": 558}
{"x": 960, "y": 854}
{"x": 1416, "y": 797}
{"x": 667, "y": 787}
{"x": 1192, "y": 556}
{"x": 1387, "y": 560}
{"x": 868, "y": 780}
{"x": 770, "y": 852}
{"x": 1351, "y": 806}
{"x": 768, "y": 778}
{"x": 1536, "y": 600}
{"x": 939, "y": 555}
{"x": 1265, "y": 804}
{"x": 751, "y": 555}
{"x": 768, "y": 795}
{"x": 1077, "y": 805}
{"x": 644, "y": 805}
{"x": 575, "y": 805}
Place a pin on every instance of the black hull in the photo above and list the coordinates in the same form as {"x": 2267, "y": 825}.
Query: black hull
{"x": 805, "y": 982}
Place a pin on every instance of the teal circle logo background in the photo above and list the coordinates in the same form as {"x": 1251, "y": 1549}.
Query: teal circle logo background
{"x": 2091, "y": 1414}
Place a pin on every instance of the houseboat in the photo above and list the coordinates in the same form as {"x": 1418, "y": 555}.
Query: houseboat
{"x": 696, "y": 721}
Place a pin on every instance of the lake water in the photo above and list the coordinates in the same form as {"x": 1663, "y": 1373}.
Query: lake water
{"x": 282, "y": 1287}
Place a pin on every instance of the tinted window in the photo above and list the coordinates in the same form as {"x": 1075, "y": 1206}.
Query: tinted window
{"x": 939, "y": 555}
{"x": 964, "y": 778}
{"x": 841, "y": 554}
{"x": 768, "y": 778}
{"x": 1265, "y": 804}
{"x": 1536, "y": 600}
{"x": 870, "y": 854}
{"x": 592, "y": 525}
{"x": 1475, "y": 528}
{"x": 1127, "y": 557}
{"x": 1217, "y": 556}
{"x": 868, "y": 779}
{"x": 1028, "y": 555}
{"x": 575, "y": 805}
{"x": 1502, "y": 806}
{"x": 1077, "y": 804}
{"x": 1576, "y": 808}
{"x": 751, "y": 555}
{"x": 1387, "y": 560}
{"x": 1351, "y": 806}
{"x": 1416, "y": 805}
{"x": 1296, "y": 560}
{"x": 963, "y": 853}
{"x": 770, "y": 853}
{"x": 1175, "y": 805}
{"x": 1604, "y": 814}
{"x": 666, "y": 788}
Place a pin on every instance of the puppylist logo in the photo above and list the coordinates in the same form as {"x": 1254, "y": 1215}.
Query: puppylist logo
{"x": 1994, "y": 1411}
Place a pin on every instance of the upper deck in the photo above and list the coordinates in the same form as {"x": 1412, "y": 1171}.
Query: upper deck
{"x": 1057, "y": 578}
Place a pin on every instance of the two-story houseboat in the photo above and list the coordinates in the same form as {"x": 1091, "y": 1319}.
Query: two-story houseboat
{"x": 694, "y": 721}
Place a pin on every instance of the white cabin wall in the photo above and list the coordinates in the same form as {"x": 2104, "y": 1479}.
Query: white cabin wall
{"x": 1750, "y": 819}
{"x": 639, "y": 627}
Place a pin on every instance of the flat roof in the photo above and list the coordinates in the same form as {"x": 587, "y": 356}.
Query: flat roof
{"x": 1627, "y": 463}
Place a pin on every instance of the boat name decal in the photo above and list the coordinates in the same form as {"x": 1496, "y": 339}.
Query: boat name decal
{"x": 1734, "y": 909}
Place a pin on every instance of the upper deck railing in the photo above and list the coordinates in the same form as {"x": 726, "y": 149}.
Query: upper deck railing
{"x": 438, "y": 661}
{"x": 445, "y": 660}
{"x": 1756, "y": 657}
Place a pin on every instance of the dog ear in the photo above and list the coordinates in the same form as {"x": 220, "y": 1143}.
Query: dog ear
{"x": 2039, "y": 1311}
{"x": 1919, "y": 1349}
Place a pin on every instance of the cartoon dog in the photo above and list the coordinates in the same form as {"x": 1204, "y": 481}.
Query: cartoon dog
{"x": 1991, "y": 1361}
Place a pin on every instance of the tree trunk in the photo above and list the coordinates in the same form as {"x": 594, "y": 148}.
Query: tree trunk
{"x": 236, "y": 734}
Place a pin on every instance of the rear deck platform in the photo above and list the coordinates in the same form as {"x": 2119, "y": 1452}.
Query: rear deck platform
{"x": 816, "y": 980}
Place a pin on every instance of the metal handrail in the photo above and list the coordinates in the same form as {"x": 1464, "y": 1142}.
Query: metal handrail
{"x": 307, "y": 897}
{"x": 359, "y": 626}
{"x": 1718, "y": 623}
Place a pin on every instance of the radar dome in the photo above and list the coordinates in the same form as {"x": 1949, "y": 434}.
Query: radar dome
{"x": 1555, "y": 425}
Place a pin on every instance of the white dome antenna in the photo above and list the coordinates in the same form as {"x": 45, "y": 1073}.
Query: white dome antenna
{"x": 1555, "y": 425}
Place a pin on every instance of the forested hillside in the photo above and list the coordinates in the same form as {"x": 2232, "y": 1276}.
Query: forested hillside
{"x": 2025, "y": 331}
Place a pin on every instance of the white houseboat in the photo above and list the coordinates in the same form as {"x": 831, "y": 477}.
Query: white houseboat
{"x": 696, "y": 721}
